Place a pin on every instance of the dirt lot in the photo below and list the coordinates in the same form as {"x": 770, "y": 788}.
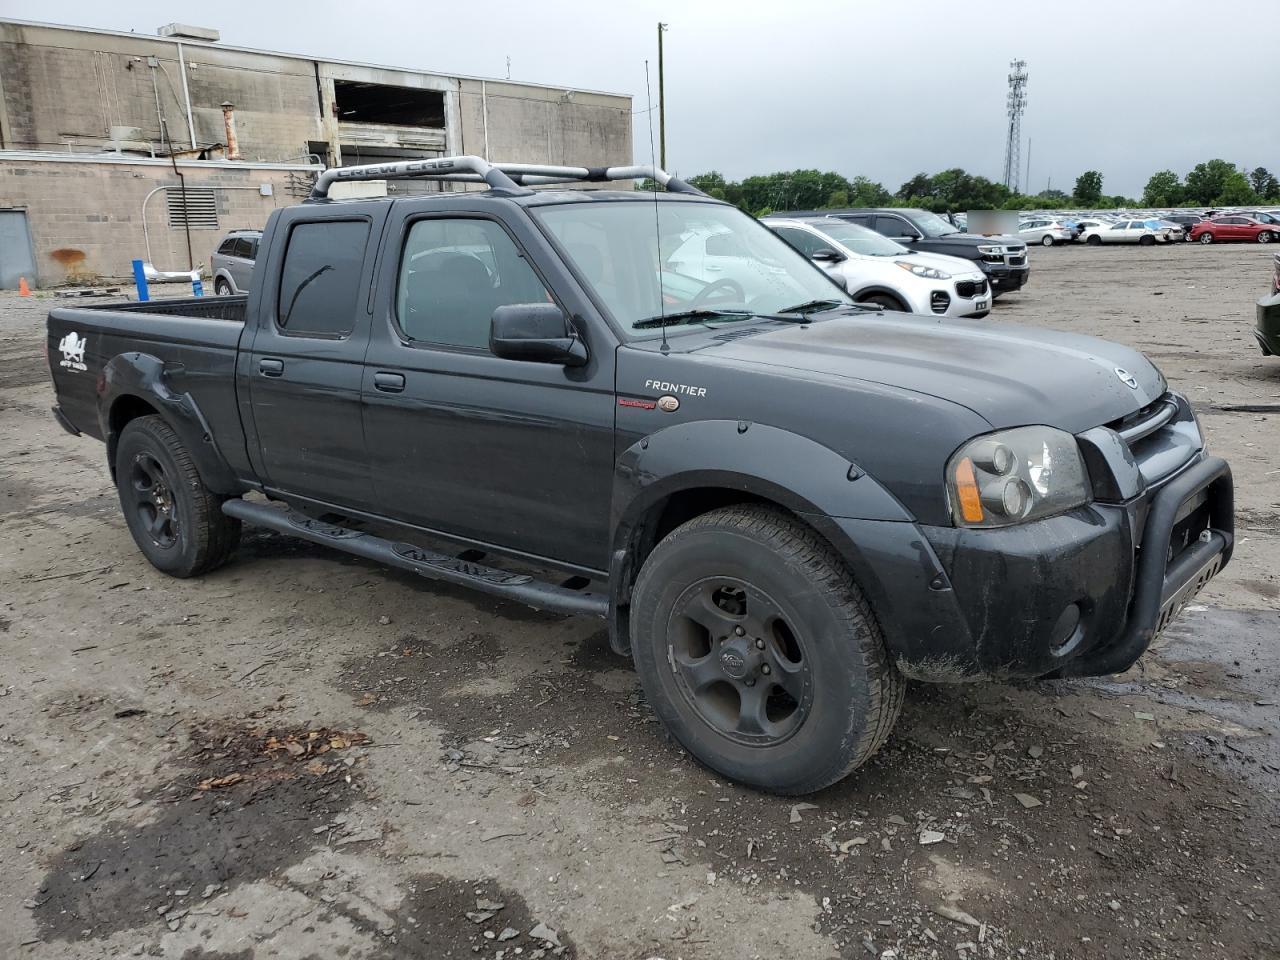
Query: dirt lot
{"x": 307, "y": 756}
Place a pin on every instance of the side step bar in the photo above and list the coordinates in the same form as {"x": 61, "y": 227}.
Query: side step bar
{"x": 519, "y": 587}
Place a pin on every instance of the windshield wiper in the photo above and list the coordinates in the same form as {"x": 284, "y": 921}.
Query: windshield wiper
{"x": 689, "y": 316}
{"x": 812, "y": 306}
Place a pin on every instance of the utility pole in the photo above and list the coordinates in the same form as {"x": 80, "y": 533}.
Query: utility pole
{"x": 662, "y": 105}
{"x": 1028, "y": 180}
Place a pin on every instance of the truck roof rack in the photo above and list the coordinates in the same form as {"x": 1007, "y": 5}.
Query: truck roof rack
{"x": 508, "y": 179}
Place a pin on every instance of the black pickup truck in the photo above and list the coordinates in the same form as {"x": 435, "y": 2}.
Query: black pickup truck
{"x": 782, "y": 503}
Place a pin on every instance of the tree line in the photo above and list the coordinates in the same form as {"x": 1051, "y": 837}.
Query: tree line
{"x": 1212, "y": 183}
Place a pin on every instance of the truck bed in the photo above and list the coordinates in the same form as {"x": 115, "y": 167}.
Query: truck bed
{"x": 195, "y": 340}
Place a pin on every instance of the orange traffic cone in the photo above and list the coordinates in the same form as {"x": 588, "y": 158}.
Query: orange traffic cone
{"x": 23, "y": 289}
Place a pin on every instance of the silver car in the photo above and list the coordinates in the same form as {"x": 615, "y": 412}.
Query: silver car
{"x": 232, "y": 263}
{"x": 1142, "y": 232}
{"x": 1045, "y": 231}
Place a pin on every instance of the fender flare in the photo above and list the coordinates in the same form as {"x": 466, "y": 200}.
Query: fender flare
{"x": 144, "y": 377}
{"x": 801, "y": 475}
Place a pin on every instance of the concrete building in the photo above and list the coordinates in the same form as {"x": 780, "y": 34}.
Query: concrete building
{"x": 112, "y": 143}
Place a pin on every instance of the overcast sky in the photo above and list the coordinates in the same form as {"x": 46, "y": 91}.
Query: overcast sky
{"x": 882, "y": 88}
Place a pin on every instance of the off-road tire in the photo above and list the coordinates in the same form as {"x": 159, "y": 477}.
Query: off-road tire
{"x": 203, "y": 537}
{"x": 857, "y": 692}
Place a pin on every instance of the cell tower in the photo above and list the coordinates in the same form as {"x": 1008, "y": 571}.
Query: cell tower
{"x": 1016, "y": 104}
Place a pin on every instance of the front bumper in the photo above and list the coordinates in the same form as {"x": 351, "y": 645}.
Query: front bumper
{"x": 1267, "y": 330}
{"x": 1080, "y": 594}
{"x": 1004, "y": 278}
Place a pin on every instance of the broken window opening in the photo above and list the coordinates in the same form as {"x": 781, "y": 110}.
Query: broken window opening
{"x": 380, "y": 103}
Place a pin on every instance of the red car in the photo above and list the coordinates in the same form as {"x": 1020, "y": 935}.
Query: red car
{"x": 1235, "y": 228}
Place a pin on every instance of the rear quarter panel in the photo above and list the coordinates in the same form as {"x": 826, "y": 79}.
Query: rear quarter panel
{"x": 92, "y": 352}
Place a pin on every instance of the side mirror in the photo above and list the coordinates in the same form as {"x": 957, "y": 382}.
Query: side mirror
{"x": 537, "y": 333}
{"x": 827, "y": 256}
{"x": 909, "y": 238}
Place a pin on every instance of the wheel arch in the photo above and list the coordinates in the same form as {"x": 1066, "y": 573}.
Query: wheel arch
{"x": 658, "y": 486}
{"x": 133, "y": 385}
{"x": 877, "y": 289}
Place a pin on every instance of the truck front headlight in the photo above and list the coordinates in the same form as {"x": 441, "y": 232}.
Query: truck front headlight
{"x": 1014, "y": 475}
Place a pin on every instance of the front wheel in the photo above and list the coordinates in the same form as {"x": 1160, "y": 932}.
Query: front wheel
{"x": 1046, "y": 241}
{"x": 221, "y": 288}
{"x": 1206, "y": 237}
{"x": 759, "y": 653}
{"x": 176, "y": 521}
{"x": 1266, "y": 236}
{"x": 883, "y": 300}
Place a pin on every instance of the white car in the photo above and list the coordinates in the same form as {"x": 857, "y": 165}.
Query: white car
{"x": 1045, "y": 231}
{"x": 1144, "y": 232}
{"x": 875, "y": 269}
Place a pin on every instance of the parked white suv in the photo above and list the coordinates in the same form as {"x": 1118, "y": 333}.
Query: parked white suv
{"x": 1045, "y": 231}
{"x": 875, "y": 269}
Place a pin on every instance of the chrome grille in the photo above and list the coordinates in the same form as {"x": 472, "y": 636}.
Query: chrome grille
{"x": 1163, "y": 437}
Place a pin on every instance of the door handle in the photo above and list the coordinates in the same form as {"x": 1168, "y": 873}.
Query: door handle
{"x": 270, "y": 367}
{"x": 388, "y": 382}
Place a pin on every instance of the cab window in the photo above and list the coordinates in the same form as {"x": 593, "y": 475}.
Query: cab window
{"x": 320, "y": 279}
{"x": 454, "y": 272}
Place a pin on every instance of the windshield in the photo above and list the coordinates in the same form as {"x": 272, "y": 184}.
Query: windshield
{"x": 932, "y": 225}
{"x": 644, "y": 263}
{"x": 860, "y": 239}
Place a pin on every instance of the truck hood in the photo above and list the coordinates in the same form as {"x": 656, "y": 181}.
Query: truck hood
{"x": 1003, "y": 239}
{"x": 1007, "y": 374}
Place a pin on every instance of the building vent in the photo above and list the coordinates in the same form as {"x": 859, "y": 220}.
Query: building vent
{"x": 196, "y": 207}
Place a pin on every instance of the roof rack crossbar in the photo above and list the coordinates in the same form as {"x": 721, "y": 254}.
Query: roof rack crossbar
{"x": 511, "y": 179}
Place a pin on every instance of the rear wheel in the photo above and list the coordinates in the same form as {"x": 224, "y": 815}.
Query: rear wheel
{"x": 221, "y": 287}
{"x": 1206, "y": 237}
{"x": 759, "y": 653}
{"x": 176, "y": 521}
{"x": 1094, "y": 240}
{"x": 1046, "y": 241}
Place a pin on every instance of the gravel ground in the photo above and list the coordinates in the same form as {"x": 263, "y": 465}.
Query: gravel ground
{"x": 305, "y": 755}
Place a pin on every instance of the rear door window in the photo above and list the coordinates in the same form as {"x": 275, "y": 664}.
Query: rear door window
{"x": 320, "y": 279}
{"x": 226, "y": 246}
{"x": 893, "y": 227}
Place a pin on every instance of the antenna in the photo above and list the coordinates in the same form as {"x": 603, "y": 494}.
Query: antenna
{"x": 657, "y": 223}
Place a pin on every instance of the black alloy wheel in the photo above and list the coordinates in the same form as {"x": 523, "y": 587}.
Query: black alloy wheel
{"x": 740, "y": 664}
